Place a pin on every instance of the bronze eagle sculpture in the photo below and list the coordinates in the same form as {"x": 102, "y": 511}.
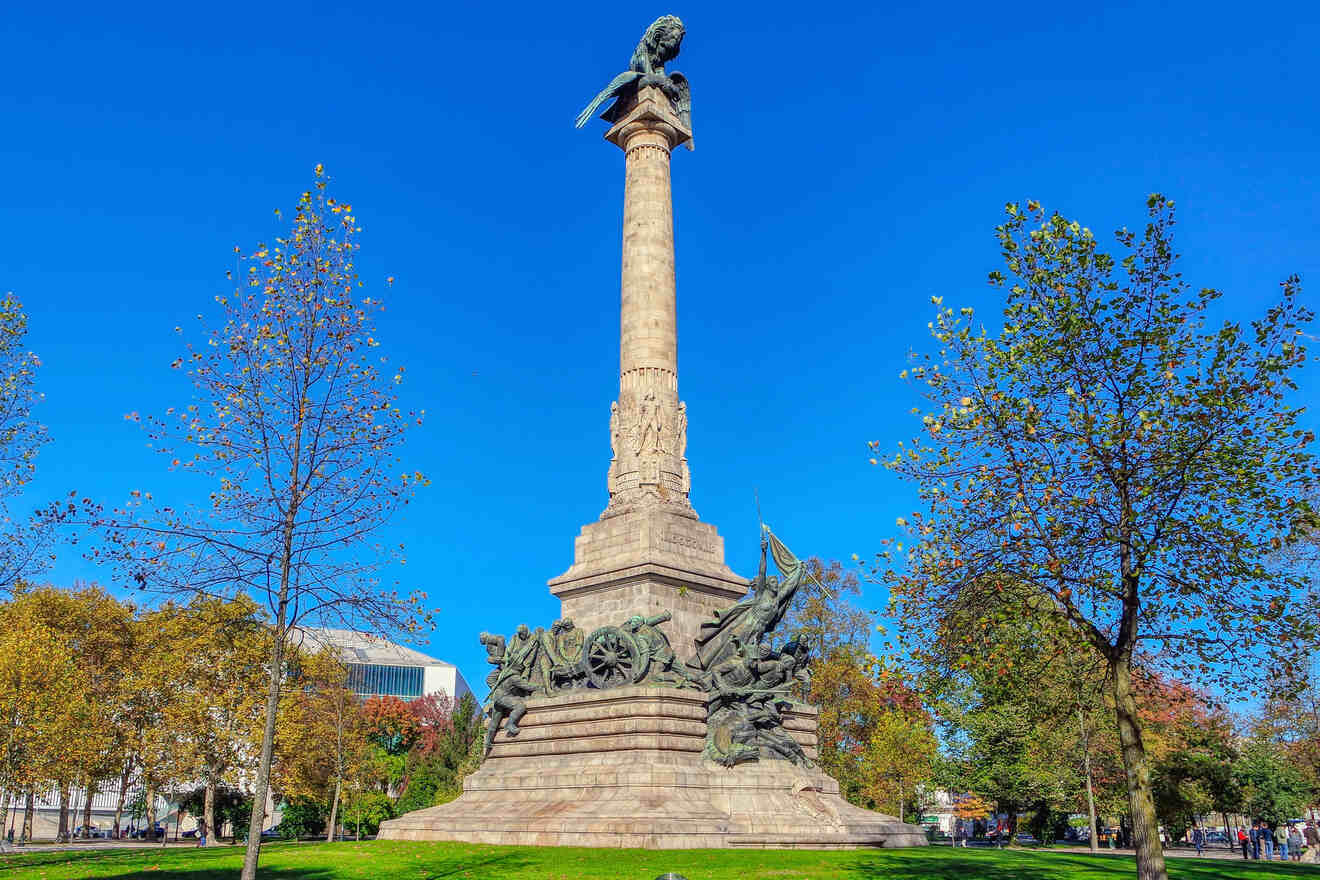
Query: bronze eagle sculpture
{"x": 659, "y": 44}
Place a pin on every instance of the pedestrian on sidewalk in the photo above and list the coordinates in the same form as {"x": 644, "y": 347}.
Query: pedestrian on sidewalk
{"x": 1295, "y": 842}
{"x": 1267, "y": 841}
{"x": 1198, "y": 839}
{"x": 1244, "y": 843}
{"x": 201, "y": 831}
{"x": 1254, "y": 834}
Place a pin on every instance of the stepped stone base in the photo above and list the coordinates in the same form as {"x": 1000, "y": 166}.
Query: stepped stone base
{"x": 623, "y": 768}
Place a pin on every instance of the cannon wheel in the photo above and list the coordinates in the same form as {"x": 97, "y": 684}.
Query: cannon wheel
{"x": 613, "y": 658}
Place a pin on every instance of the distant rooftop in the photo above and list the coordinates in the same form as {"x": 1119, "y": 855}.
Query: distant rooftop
{"x": 356, "y": 647}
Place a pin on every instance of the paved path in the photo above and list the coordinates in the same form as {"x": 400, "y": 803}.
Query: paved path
{"x": 1181, "y": 852}
{"x": 100, "y": 844}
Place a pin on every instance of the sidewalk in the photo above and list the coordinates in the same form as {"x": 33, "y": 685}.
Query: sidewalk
{"x": 103, "y": 844}
{"x": 1179, "y": 852}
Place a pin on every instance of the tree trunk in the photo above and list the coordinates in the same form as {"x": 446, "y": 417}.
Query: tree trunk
{"x": 151, "y": 812}
{"x": 253, "y": 851}
{"x": 1086, "y": 766}
{"x": 1145, "y": 825}
{"x": 262, "y": 788}
{"x": 334, "y": 811}
{"x": 63, "y": 833}
{"x": 208, "y": 810}
{"x": 28, "y": 809}
{"x": 87, "y": 806}
{"x": 119, "y": 802}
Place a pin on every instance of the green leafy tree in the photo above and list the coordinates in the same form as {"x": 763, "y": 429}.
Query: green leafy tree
{"x": 228, "y": 805}
{"x": 1181, "y": 791}
{"x": 1130, "y": 468}
{"x": 445, "y": 751}
{"x": 1019, "y": 707}
{"x": 1272, "y": 788}
{"x": 303, "y": 817}
{"x": 364, "y": 810}
{"x": 1290, "y": 717}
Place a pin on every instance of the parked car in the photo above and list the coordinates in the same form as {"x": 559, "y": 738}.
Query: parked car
{"x": 271, "y": 833}
{"x": 1216, "y": 837}
{"x": 1026, "y": 838}
{"x": 141, "y": 833}
{"x": 90, "y": 831}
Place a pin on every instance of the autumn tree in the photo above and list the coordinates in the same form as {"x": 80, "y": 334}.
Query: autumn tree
{"x": 391, "y": 724}
{"x": 323, "y": 740}
{"x": 829, "y": 619}
{"x": 41, "y": 687}
{"x": 156, "y": 698}
{"x": 98, "y": 631}
{"x": 1131, "y": 468}
{"x": 874, "y": 736}
{"x": 22, "y": 543}
{"x": 447, "y": 748}
{"x": 293, "y": 430}
{"x": 221, "y": 646}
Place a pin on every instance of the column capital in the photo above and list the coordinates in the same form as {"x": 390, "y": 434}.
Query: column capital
{"x": 651, "y": 113}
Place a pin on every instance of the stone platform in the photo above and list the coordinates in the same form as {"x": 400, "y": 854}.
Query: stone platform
{"x": 623, "y": 768}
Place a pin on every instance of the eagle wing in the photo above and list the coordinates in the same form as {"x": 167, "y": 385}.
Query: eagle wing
{"x": 608, "y": 93}
{"x": 683, "y": 103}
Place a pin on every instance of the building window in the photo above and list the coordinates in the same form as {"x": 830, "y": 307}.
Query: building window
{"x": 398, "y": 681}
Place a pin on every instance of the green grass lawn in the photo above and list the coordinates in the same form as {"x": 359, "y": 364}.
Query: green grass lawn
{"x": 433, "y": 861}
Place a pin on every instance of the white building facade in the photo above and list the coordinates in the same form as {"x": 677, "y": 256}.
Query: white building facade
{"x": 379, "y": 667}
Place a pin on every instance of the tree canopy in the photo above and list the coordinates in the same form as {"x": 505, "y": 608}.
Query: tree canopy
{"x": 1116, "y": 463}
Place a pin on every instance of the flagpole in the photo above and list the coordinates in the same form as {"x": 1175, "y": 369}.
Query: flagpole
{"x": 765, "y": 529}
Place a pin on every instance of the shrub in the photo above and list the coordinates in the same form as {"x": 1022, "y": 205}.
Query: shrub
{"x": 303, "y": 817}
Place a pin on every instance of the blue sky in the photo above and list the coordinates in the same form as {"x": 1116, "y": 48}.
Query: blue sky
{"x": 852, "y": 161}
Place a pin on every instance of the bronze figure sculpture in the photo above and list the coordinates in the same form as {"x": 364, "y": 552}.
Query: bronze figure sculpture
{"x": 749, "y": 683}
{"x": 658, "y": 45}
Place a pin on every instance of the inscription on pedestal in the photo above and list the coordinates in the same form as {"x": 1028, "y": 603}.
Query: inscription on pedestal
{"x": 688, "y": 542}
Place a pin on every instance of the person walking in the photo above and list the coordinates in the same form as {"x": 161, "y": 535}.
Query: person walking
{"x": 1312, "y": 837}
{"x": 1281, "y": 842}
{"x": 1244, "y": 843}
{"x": 1198, "y": 839}
{"x": 1254, "y": 834}
{"x": 1295, "y": 842}
{"x": 201, "y": 831}
{"x": 1267, "y": 841}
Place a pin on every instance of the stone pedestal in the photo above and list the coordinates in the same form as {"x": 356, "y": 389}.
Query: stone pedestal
{"x": 646, "y": 562}
{"x": 623, "y": 768}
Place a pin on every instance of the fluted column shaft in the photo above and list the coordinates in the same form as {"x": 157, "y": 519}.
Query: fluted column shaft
{"x": 648, "y": 423}
{"x": 648, "y": 331}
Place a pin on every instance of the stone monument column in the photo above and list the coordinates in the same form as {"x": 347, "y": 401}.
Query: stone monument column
{"x": 648, "y": 553}
{"x": 648, "y": 429}
{"x": 612, "y": 727}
